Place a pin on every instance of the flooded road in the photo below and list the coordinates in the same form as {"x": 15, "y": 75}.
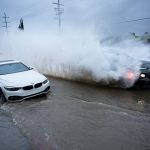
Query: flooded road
{"x": 76, "y": 116}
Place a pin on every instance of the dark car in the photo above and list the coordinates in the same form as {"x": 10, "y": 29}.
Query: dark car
{"x": 136, "y": 79}
{"x": 144, "y": 77}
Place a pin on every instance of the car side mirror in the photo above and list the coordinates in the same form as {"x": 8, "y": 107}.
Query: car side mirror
{"x": 31, "y": 68}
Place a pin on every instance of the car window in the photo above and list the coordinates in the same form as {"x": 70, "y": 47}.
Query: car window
{"x": 145, "y": 64}
{"x": 12, "y": 68}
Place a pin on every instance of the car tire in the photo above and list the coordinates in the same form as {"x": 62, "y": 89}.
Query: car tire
{"x": 2, "y": 97}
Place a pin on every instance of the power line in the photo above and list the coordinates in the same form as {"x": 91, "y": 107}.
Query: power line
{"x": 5, "y": 17}
{"x": 134, "y": 20}
{"x": 59, "y": 11}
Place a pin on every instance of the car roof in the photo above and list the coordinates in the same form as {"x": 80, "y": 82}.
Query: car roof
{"x": 2, "y": 62}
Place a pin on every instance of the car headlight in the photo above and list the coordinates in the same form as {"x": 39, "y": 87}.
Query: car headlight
{"x": 45, "y": 81}
{"x": 12, "y": 88}
{"x": 130, "y": 75}
{"x": 142, "y": 75}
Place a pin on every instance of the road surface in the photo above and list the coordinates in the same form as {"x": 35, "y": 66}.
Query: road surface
{"x": 77, "y": 116}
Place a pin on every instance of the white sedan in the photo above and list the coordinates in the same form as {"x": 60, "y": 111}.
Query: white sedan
{"x": 19, "y": 82}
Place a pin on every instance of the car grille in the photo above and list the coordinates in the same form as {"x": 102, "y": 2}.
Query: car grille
{"x": 30, "y": 87}
{"x": 147, "y": 75}
{"x": 37, "y": 85}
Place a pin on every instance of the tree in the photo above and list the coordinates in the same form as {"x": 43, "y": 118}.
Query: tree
{"x": 21, "y": 25}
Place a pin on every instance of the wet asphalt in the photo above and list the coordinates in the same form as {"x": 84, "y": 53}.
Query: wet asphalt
{"x": 77, "y": 116}
{"x": 11, "y": 137}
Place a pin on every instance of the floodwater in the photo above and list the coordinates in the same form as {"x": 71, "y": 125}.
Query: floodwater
{"x": 77, "y": 116}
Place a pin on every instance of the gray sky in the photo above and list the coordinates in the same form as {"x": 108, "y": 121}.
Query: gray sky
{"x": 104, "y": 15}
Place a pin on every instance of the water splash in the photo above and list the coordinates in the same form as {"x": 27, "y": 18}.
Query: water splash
{"x": 77, "y": 55}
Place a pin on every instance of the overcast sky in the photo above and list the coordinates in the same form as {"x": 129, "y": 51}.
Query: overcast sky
{"x": 103, "y": 15}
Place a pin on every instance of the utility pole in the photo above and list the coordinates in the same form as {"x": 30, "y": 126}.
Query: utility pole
{"x": 59, "y": 11}
{"x": 5, "y": 22}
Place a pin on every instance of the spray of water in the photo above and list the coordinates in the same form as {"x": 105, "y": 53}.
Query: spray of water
{"x": 75, "y": 55}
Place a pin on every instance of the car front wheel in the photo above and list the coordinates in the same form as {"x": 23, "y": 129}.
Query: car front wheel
{"x": 2, "y": 97}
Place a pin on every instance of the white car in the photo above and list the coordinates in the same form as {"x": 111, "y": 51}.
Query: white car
{"x": 19, "y": 82}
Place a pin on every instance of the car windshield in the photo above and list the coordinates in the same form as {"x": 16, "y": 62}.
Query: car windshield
{"x": 145, "y": 64}
{"x": 12, "y": 68}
